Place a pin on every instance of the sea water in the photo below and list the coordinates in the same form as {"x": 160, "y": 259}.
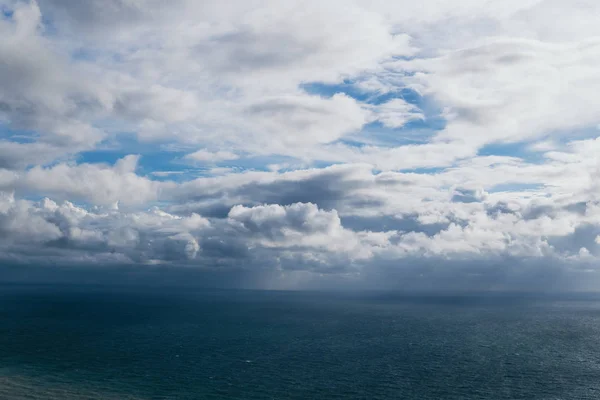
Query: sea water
{"x": 59, "y": 342}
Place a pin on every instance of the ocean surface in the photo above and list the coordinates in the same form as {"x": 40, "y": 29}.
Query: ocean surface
{"x": 64, "y": 342}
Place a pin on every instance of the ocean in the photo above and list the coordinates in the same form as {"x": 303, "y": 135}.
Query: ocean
{"x": 68, "y": 342}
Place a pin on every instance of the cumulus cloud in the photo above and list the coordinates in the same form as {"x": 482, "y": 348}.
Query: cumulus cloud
{"x": 66, "y": 233}
{"x": 95, "y": 183}
{"x": 437, "y": 144}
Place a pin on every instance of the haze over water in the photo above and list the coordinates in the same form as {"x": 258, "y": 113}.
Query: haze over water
{"x": 68, "y": 342}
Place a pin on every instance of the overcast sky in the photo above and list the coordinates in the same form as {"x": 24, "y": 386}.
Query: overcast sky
{"x": 433, "y": 144}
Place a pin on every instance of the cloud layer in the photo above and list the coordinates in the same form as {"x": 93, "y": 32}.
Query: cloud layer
{"x": 433, "y": 145}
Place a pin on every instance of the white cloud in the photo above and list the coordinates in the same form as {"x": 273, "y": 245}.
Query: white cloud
{"x": 305, "y": 120}
{"x": 94, "y": 183}
{"x": 366, "y": 139}
{"x": 211, "y": 157}
{"x": 396, "y": 112}
{"x": 39, "y": 91}
{"x": 66, "y": 232}
{"x": 303, "y": 226}
{"x": 515, "y": 89}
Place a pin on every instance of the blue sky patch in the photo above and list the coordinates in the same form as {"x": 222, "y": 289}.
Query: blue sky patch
{"x": 350, "y": 89}
{"x": 516, "y": 187}
{"x": 6, "y": 12}
{"x": 423, "y": 171}
{"x": 17, "y": 135}
{"x": 521, "y": 150}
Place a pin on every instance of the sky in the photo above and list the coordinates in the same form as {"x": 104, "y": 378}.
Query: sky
{"x": 430, "y": 145}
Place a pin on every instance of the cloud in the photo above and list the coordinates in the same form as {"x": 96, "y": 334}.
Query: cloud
{"x": 303, "y": 226}
{"x": 301, "y": 238}
{"x": 94, "y": 183}
{"x": 396, "y": 112}
{"x": 304, "y": 144}
{"x": 480, "y": 85}
{"x": 305, "y": 120}
{"x": 39, "y": 91}
{"x": 211, "y": 157}
{"x": 462, "y": 195}
{"x": 66, "y": 234}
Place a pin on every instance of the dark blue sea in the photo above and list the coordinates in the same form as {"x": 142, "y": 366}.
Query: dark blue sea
{"x": 66, "y": 342}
